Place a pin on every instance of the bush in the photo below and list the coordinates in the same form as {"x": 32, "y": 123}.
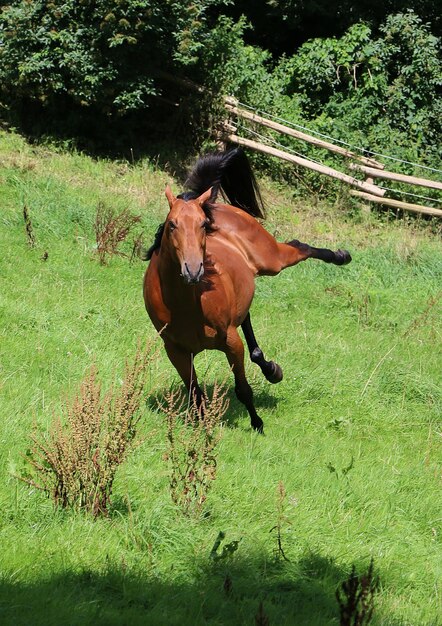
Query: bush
{"x": 76, "y": 462}
{"x": 371, "y": 91}
{"x": 380, "y": 94}
{"x": 103, "y": 54}
{"x": 193, "y": 434}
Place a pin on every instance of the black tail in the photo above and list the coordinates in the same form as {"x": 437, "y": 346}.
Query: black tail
{"x": 230, "y": 173}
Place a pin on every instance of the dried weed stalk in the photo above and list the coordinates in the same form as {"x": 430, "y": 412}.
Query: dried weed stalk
{"x": 30, "y": 237}
{"x": 193, "y": 434}
{"x": 76, "y": 462}
{"x": 137, "y": 248}
{"x": 111, "y": 229}
{"x": 356, "y": 598}
{"x": 281, "y": 521}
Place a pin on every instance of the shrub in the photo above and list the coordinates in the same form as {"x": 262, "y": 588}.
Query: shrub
{"x": 383, "y": 88}
{"x": 76, "y": 462}
{"x": 378, "y": 92}
{"x": 111, "y": 229}
{"x": 103, "y": 53}
{"x": 193, "y": 434}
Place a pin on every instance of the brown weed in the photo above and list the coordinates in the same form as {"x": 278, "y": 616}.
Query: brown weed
{"x": 76, "y": 462}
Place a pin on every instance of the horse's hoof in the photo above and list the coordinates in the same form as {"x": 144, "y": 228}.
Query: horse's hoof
{"x": 258, "y": 425}
{"x": 275, "y": 376}
{"x": 342, "y": 257}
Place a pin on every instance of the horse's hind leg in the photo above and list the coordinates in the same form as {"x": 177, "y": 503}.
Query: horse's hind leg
{"x": 183, "y": 363}
{"x": 235, "y": 354}
{"x": 277, "y": 256}
{"x": 270, "y": 369}
{"x": 340, "y": 257}
{"x": 295, "y": 251}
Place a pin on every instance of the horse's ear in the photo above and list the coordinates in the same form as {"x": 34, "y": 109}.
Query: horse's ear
{"x": 169, "y": 195}
{"x": 207, "y": 195}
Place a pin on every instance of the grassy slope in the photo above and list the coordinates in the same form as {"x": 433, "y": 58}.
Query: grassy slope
{"x": 361, "y": 351}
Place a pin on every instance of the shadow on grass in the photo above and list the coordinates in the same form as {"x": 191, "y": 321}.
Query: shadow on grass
{"x": 221, "y": 593}
{"x": 236, "y": 414}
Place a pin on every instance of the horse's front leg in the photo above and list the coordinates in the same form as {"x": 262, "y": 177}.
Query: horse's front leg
{"x": 234, "y": 350}
{"x": 183, "y": 363}
{"x": 271, "y": 370}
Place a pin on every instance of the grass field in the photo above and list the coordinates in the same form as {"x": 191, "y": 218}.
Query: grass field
{"x": 354, "y": 431}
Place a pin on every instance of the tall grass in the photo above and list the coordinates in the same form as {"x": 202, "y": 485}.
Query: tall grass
{"x": 352, "y": 432}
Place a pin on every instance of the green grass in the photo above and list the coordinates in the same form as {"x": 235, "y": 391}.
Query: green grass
{"x": 360, "y": 347}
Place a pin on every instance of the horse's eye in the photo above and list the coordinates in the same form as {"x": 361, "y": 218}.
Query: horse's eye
{"x": 172, "y": 226}
{"x": 206, "y": 225}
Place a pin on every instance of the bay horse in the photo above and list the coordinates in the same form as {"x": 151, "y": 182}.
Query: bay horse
{"x": 200, "y": 281}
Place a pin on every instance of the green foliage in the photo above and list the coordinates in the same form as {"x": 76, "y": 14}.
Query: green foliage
{"x": 374, "y": 88}
{"x": 297, "y": 21}
{"x": 412, "y": 57}
{"x": 323, "y": 67}
{"x": 101, "y": 53}
{"x": 378, "y": 87}
{"x": 381, "y": 93}
{"x": 231, "y": 67}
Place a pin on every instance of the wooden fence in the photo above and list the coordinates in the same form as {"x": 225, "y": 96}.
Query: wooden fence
{"x": 370, "y": 168}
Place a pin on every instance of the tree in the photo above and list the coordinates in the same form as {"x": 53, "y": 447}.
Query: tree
{"x": 101, "y": 53}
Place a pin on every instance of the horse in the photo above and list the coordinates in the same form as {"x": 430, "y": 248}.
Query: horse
{"x": 200, "y": 281}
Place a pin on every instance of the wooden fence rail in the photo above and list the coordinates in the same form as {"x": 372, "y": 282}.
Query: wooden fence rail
{"x": 400, "y": 178}
{"x": 371, "y": 168}
{"x": 398, "y": 204}
{"x": 297, "y": 134}
{"x": 292, "y": 158}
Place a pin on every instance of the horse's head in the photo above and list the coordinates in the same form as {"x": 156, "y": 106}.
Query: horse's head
{"x": 185, "y": 232}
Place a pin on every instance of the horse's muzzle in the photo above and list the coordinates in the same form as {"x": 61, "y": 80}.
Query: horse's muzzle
{"x": 192, "y": 274}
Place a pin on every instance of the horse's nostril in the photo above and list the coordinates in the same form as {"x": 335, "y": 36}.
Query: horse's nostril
{"x": 192, "y": 274}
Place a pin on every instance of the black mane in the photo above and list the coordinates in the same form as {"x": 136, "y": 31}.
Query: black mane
{"x": 227, "y": 172}
{"x": 147, "y": 255}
